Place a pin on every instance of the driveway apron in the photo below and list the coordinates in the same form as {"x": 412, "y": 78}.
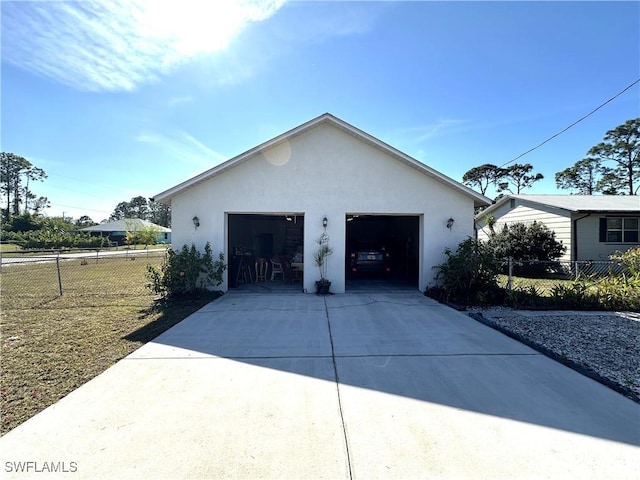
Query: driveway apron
{"x": 388, "y": 385}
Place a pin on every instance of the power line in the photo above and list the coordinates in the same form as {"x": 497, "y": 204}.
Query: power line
{"x": 572, "y": 125}
{"x": 78, "y": 208}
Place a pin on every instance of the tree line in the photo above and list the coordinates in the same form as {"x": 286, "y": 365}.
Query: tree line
{"x": 612, "y": 167}
{"x": 17, "y": 176}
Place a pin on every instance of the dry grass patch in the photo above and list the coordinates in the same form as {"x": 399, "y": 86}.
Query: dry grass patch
{"x": 52, "y": 345}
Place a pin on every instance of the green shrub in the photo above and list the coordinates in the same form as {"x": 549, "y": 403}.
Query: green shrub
{"x": 618, "y": 292}
{"x": 575, "y": 295}
{"x": 186, "y": 272}
{"x": 525, "y": 297}
{"x": 629, "y": 259}
{"x": 51, "y": 239}
{"x": 469, "y": 275}
{"x": 527, "y": 242}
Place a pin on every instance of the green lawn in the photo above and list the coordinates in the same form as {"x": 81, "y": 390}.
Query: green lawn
{"x": 52, "y": 344}
{"x": 8, "y": 248}
{"x": 543, "y": 286}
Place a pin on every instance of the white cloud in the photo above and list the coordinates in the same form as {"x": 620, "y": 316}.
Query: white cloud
{"x": 434, "y": 129}
{"x": 116, "y": 45}
{"x": 180, "y": 100}
{"x": 184, "y": 148}
{"x": 333, "y": 19}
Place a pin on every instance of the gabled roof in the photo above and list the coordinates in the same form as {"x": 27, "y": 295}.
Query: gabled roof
{"x": 124, "y": 225}
{"x": 576, "y": 203}
{"x": 327, "y": 118}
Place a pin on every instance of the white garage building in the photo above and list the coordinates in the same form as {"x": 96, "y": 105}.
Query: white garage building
{"x": 271, "y": 201}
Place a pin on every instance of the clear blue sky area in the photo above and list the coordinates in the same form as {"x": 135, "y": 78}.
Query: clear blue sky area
{"x": 124, "y": 98}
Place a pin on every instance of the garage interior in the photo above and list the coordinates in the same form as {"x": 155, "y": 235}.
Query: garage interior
{"x": 398, "y": 235}
{"x": 255, "y": 239}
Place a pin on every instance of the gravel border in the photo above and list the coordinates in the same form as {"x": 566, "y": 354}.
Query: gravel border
{"x": 604, "y": 346}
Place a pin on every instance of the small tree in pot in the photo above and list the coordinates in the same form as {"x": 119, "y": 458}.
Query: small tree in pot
{"x": 320, "y": 257}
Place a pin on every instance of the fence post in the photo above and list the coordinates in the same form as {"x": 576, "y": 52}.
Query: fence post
{"x": 59, "y": 277}
{"x": 510, "y": 280}
{"x": 577, "y": 269}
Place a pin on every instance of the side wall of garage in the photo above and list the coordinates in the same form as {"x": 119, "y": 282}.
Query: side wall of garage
{"x": 325, "y": 171}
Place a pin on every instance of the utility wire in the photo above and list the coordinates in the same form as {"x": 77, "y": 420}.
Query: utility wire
{"x": 572, "y": 125}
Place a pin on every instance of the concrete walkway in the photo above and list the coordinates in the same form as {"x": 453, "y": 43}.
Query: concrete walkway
{"x": 348, "y": 386}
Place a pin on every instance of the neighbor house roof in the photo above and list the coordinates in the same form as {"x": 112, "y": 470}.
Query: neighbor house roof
{"x": 124, "y": 225}
{"x": 165, "y": 197}
{"x": 576, "y": 203}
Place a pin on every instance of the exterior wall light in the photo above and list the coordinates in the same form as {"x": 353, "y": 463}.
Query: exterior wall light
{"x": 196, "y": 222}
{"x": 324, "y": 222}
{"x": 450, "y": 223}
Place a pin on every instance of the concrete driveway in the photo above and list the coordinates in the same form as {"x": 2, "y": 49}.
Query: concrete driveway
{"x": 368, "y": 386}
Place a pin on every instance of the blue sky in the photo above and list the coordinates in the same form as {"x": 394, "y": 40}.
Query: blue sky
{"x": 124, "y": 98}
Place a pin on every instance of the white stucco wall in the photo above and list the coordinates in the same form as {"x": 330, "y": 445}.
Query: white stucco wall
{"x": 325, "y": 172}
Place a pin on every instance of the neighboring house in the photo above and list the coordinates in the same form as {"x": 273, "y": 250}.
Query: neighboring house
{"x": 592, "y": 227}
{"x": 272, "y": 201}
{"x": 117, "y": 230}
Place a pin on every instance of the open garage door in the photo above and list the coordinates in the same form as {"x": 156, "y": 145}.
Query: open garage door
{"x": 382, "y": 252}
{"x": 266, "y": 250}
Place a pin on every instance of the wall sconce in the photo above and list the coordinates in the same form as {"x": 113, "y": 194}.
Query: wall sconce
{"x": 450, "y": 223}
{"x": 325, "y": 222}
{"x": 196, "y": 222}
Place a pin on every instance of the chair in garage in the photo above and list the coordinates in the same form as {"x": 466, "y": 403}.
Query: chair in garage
{"x": 262, "y": 265}
{"x": 276, "y": 269}
{"x": 290, "y": 274}
{"x": 244, "y": 273}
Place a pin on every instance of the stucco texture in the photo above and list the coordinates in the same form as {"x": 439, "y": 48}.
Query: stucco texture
{"x": 325, "y": 171}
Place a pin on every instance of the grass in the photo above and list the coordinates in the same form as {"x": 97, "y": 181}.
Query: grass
{"x": 35, "y": 283}
{"x": 52, "y": 344}
{"x": 8, "y": 248}
{"x": 543, "y": 286}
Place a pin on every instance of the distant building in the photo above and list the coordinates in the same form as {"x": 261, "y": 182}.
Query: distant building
{"x": 592, "y": 227}
{"x": 117, "y": 231}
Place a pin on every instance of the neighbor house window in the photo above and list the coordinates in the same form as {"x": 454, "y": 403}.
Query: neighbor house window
{"x": 619, "y": 230}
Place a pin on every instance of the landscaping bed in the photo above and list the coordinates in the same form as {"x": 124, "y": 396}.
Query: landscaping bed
{"x": 604, "y": 346}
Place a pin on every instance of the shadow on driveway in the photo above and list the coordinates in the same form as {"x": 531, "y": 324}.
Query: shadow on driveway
{"x": 405, "y": 345}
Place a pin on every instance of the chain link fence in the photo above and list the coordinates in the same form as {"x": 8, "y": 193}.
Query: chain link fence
{"x": 544, "y": 276}
{"x": 30, "y": 281}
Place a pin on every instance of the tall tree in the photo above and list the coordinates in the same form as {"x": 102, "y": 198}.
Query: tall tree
{"x": 140, "y": 207}
{"x": 160, "y": 214}
{"x": 122, "y": 210}
{"x": 482, "y": 177}
{"x": 518, "y": 177}
{"x": 584, "y": 176}
{"x": 15, "y": 174}
{"x": 621, "y": 146}
{"x": 84, "y": 221}
{"x": 40, "y": 204}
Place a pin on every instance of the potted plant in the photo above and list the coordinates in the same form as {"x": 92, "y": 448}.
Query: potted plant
{"x": 320, "y": 258}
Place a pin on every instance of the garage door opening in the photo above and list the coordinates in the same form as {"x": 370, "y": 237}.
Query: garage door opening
{"x": 266, "y": 251}
{"x": 382, "y": 251}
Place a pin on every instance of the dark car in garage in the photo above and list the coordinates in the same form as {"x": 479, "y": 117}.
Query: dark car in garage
{"x": 370, "y": 260}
